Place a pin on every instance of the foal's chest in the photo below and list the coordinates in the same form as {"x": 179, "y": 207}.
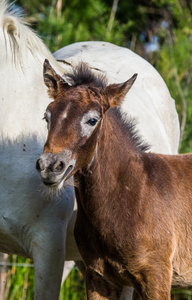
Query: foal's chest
{"x": 98, "y": 255}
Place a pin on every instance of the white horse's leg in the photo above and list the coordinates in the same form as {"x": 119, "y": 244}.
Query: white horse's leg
{"x": 49, "y": 261}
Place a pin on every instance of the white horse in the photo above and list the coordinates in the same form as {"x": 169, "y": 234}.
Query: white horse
{"x": 31, "y": 224}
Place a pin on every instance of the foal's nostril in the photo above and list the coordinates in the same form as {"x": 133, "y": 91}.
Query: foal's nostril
{"x": 39, "y": 165}
{"x": 58, "y": 166}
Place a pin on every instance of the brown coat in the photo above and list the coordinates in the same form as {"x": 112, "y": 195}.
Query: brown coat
{"x": 134, "y": 218}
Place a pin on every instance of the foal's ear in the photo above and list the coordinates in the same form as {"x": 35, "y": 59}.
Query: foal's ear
{"x": 52, "y": 80}
{"x": 116, "y": 92}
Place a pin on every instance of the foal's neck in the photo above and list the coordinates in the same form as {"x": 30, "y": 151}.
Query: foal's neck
{"x": 114, "y": 159}
{"x": 106, "y": 185}
{"x": 115, "y": 145}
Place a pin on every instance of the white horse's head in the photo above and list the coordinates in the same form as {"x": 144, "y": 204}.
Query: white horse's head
{"x": 21, "y": 77}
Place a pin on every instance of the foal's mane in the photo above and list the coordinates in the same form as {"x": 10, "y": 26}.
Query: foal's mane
{"x": 20, "y": 37}
{"x": 83, "y": 75}
{"x": 130, "y": 127}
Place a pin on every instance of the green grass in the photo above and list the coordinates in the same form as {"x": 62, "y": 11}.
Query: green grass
{"x": 19, "y": 279}
{"x": 73, "y": 287}
{"x": 20, "y": 283}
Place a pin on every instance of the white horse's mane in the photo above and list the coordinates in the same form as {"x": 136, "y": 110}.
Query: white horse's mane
{"x": 21, "y": 37}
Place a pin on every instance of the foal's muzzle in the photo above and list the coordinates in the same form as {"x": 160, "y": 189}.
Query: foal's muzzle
{"x": 55, "y": 168}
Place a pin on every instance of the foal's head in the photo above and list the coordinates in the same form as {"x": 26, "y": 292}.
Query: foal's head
{"x": 74, "y": 120}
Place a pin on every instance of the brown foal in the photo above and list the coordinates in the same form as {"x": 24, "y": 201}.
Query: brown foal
{"x": 134, "y": 222}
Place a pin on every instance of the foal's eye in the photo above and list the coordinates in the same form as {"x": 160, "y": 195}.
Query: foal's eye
{"x": 47, "y": 117}
{"x": 92, "y": 121}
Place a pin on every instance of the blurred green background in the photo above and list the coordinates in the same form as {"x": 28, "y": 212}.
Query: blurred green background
{"x": 159, "y": 31}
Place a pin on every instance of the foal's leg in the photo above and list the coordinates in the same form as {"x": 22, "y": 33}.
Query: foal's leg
{"x": 155, "y": 283}
{"x": 127, "y": 292}
{"x": 99, "y": 289}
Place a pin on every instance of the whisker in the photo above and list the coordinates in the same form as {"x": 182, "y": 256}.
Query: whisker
{"x": 55, "y": 194}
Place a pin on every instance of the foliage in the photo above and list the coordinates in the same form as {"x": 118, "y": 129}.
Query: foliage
{"x": 20, "y": 279}
{"x": 73, "y": 287}
{"x": 61, "y": 23}
{"x": 174, "y": 62}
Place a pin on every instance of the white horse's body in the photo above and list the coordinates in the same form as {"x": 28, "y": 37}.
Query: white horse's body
{"x": 30, "y": 224}
{"x": 149, "y": 100}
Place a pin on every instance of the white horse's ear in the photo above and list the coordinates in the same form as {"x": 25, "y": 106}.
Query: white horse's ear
{"x": 52, "y": 79}
{"x": 115, "y": 93}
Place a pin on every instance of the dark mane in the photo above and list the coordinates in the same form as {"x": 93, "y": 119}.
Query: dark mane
{"x": 82, "y": 74}
{"x": 130, "y": 127}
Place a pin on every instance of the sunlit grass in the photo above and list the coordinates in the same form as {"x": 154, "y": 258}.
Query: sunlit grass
{"x": 73, "y": 287}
